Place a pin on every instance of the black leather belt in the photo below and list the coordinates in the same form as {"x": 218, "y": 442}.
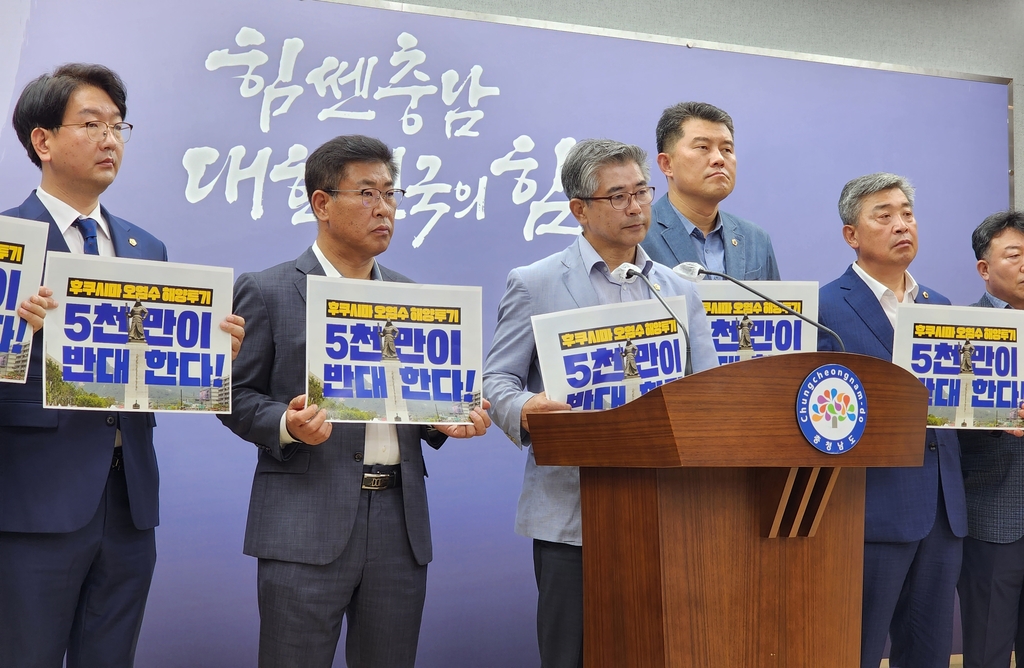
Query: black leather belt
{"x": 377, "y": 477}
{"x": 117, "y": 463}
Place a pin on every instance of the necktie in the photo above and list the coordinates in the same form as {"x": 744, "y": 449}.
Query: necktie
{"x": 87, "y": 226}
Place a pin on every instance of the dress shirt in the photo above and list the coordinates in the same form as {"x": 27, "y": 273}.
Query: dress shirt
{"x": 710, "y": 247}
{"x": 381, "y": 444}
{"x": 65, "y": 217}
{"x": 886, "y": 297}
{"x": 609, "y": 290}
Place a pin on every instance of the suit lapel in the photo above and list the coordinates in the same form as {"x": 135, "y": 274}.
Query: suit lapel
{"x": 307, "y": 264}
{"x": 33, "y": 209}
{"x": 866, "y": 306}
{"x": 673, "y": 232}
{"x": 735, "y": 255}
{"x": 576, "y": 279}
{"x": 120, "y": 235}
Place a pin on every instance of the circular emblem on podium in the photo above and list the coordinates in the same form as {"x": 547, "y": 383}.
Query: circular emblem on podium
{"x": 832, "y": 409}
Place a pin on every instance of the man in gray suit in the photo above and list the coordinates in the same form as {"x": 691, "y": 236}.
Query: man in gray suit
{"x": 697, "y": 155}
{"x": 607, "y": 186}
{"x": 337, "y": 517}
{"x": 991, "y": 583}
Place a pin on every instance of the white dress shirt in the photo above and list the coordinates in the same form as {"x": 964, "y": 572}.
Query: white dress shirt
{"x": 65, "y": 216}
{"x": 885, "y": 296}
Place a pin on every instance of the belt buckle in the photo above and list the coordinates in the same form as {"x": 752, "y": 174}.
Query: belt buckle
{"x": 377, "y": 481}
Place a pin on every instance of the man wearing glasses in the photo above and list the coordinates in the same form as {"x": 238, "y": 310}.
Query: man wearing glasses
{"x": 698, "y": 157}
{"x": 332, "y": 542}
{"x": 78, "y": 489}
{"x": 606, "y": 183}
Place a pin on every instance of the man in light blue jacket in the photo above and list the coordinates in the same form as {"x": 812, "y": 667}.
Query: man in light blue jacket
{"x": 607, "y": 186}
{"x": 697, "y": 154}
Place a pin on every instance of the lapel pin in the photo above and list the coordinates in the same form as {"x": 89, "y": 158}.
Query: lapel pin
{"x": 132, "y": 241}
{"x": 735, "y": 243}
{"x": 925, "y": 294}
{"x": 657, "y": 287}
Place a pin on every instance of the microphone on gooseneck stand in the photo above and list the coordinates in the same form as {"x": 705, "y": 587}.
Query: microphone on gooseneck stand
{"x": 627, "y": 270}
{"x": 692, "y": 271}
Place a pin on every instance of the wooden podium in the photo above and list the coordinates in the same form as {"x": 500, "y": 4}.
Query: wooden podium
{"x": 714, "y": 535}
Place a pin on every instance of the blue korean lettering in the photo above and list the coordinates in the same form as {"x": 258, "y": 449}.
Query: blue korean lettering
{"x": 79, "y": 356}
{"x": 606, "y": 358}
{"x": 112, "y": 317}
{"x": 76, "y": 319}
{"x": 9, "y": 284}
{"x": 339, "y": 380}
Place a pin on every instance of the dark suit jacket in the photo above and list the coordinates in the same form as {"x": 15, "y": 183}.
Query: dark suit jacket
{"x": 900, "y": 503}
{"x": 751, "y": 259}
{"x": 54, "y": 463}
{"x": 304, "y": 498}
{"x": 993, "y": 465}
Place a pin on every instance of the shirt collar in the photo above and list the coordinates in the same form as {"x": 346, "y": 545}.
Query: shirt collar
{"x": 591, "y": 259}
{"x": 332, "y": 272}
{"x": 880, "y": 290}
{"x": 996, "y": 301}
{"x": 692, "y": 229}
{"x": 64, "y": 215}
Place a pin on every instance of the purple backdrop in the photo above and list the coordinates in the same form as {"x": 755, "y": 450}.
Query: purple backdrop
{"x": 803, "y": 130}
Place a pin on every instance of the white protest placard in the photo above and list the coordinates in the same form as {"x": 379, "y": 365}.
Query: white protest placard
{"x": 136, "y": 335}
{"x": 381, "y": 351}
{"x": 606, "y": 356}
{"x": 969, "y": 359}
{"x": 744, "y": 326}
{"x": 22, "y": 251}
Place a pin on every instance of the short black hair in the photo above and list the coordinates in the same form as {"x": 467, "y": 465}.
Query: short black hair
{"x": 670, "y": 125}
{"x": 325, "y": 166}
{"x": 992, "y": 227}
{"x": 45, "y": 99}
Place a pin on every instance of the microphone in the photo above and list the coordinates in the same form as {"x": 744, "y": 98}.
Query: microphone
{"x": 626, "y": 271}
{"x": 693, "y": 271}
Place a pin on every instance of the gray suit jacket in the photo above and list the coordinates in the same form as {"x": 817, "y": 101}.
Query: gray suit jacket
{"x": 993, "y": 467}
{"x": 751, "y": 258}
{"x": 549, "y": 506}
{"x": 304, "y": 498}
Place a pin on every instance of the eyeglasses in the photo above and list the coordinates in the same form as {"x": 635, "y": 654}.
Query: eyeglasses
{"x": 371, "y": 196}
{"x": 620, "y": 201}
{"x": 97, "y": 130}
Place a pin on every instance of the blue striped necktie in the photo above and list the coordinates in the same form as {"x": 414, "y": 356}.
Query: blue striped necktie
{"x": 87, "y": 226}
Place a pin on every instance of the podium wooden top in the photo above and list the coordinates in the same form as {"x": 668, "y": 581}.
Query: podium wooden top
{"x": 739, "y": 415}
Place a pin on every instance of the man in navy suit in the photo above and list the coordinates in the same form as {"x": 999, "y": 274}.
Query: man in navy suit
{"x": 992, "y": 578}
{"x": 78, "y": 489}
{"x": 915, "y": 517}
{"x": 697, "y": 155}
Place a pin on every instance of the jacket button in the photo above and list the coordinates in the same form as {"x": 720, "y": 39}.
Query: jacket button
{"x": 110, "y": 420}
{"x": 358, "y": 457}
{"x": 932, "y": 446}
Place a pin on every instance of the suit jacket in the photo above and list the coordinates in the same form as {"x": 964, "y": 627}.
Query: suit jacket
{"x": 993, "y": 466}
{"x": 54, "y": 463}
{"x": 900, "y": 503}
{"x": 751, "y": 258}
{"x": 549, "y": 506}
{"x": 304, "y": 498}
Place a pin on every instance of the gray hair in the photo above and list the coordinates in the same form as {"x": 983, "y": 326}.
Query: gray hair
{"x": 579, "y": 171}
{"x": 856, "y": 190}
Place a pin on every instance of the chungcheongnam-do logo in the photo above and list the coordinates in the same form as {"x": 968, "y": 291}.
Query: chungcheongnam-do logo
{"x": 832, "y": 409}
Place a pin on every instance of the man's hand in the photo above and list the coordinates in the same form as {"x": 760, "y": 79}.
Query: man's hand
{"x": 33, "y": 310}
{"x": 539, "y": 403}
{"x": 481, "y": 421}
{"x": 308, "y": 424}
{"x": 235, "y": 326}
